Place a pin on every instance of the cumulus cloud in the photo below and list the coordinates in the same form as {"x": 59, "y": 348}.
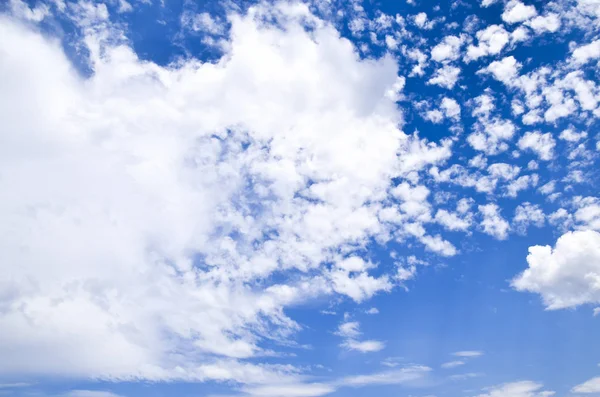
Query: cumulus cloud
{"x": 566, "y": 275}
{"x": 515, "y": 11}
{"x": 542, "y": 144}
{"x": 528, "y": 214}
{"x": 572, "y": 136}
{"x": 490, "y": 135}
{"x": 491, "y": 41}
{"x": 448, "y": 49}
{"x": 505, "y": 70}
{"x": 445, "y": 77}
{"x": 451, "y": 108}
{"x": 149, "y": 204}
{"x": 587, "y": 52}
{"x": 492, "y": 222}
{"x": 546, "y": 23}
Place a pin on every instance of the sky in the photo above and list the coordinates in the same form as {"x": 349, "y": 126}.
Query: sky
{"x": 299, "y": 199}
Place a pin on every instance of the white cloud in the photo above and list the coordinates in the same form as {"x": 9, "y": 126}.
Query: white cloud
{"x": 484, "y": 104}
{"x": 365, "y": 346}
{"x": 528, "y": 214}
{"x": 451, "y": 108}
{"x": 487, "y": 3}
{"x": 468, "y": 353}
{"x": 515, "y": 11}
{"x": 350, "y": 331}
{"x": 435, "y": 116}
{"x": 452, "y": 221}
{"x": 448, "y": 49}
{"x": 493, "y": 223}
{"x": 203, "y": 22}
{"x": 422, "y": 21}
{"x": 519, "y": 34}
{"x": 421, "y": 58}
{"x": 504, "y": 171}
{"x": 587, "y": 214}
{"x": 438, "y": 245}
{"x": 490, "y": 136}
{"x": 588, "y": 387}
{"x": 547, "y": 23}
{"x": 392, "y": 377}
{"x": 291, "y": 390}
{"x": 20, "y": 9}
{"x": 452, "y": 364}
{"x": 548, "y": 188}
{"x": 524, "y": 388}
{"x": 298, "y": 389}
{"x": 175, "y": 217}
{"x": 587, "y": 52}
{"x": 445, "y": 77}
{"x": 491, "y": 41}
{"x": 506, "y": 70}
{"x": 521, "y": 183}
{"x": 90, "y": 393}
{"x": 566, "y": 275}
{"x": 542, "y": 144}
{"x": 572, "y": 136}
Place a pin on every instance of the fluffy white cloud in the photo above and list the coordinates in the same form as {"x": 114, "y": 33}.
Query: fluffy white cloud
{"x": 572, "y": 136}
{"x": 587, "y": 52}
{"x": 493, "y": 223}
{"x": 445, "y": 77}
{"x": 506, "y": 70}
{"x": 528, "y": 214}
{"x": 453, "y": 221}
{"x": 147, "y": 205}
{"x": 566, "y": 275}
{"x": 451, "y": 108}
{"x": 515, "y": 11}
{"x": 491, "y": 41}
{"x": 547, "y": 23}
{"x": 521, "y": 183}
{"x": 490, "y": 136}
{"x": 542, "y": 144}
{"x": 448, "y": 49}
{"x": 422, "y": 21}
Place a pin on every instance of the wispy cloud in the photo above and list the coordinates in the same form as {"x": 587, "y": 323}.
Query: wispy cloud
{"x": 468, "y": 353}
{"x": 452, "y": 364}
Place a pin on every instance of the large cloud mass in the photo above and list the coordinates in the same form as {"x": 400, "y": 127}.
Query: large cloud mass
{"x": 144, "y": 208}
{"x": 566, "y": 275}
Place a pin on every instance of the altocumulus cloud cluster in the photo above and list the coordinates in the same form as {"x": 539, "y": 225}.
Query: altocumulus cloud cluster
{"x": 162, "y": 219}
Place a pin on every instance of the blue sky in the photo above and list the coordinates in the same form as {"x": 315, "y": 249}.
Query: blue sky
{"x": 299, "y": 199}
